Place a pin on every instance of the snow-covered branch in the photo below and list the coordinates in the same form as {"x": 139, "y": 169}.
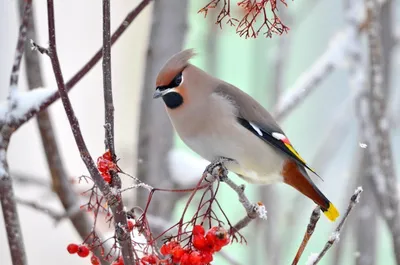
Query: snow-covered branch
{"x": 23, "y": 102}
{"x": 335, "y": 56}
{"x": 8, "y": 203}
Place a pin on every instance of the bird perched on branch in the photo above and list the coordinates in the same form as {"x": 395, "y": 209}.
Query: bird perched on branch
{"x": 217, "y": 120}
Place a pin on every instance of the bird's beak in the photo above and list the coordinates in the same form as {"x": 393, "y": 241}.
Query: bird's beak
{"x": 159, "y": 93}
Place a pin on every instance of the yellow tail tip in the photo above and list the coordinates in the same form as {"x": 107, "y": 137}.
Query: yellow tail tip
{"x": 331, "y": 213}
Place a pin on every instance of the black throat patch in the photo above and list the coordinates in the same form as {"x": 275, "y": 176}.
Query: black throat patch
{"x": 173, "y": 100}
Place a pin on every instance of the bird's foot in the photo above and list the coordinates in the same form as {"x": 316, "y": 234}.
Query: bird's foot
{"x": 217, "y": 169}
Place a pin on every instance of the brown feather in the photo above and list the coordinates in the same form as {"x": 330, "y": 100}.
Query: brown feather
{"x": 293, "y": 177}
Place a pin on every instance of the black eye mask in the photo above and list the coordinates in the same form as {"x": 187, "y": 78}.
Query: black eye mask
{"x": 176, "y": 81}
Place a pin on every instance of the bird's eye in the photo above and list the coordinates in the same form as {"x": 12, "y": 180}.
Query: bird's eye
{"x": 177, "y": 80}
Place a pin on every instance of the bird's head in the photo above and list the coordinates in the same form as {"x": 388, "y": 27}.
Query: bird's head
{"x": 170, "y": 83}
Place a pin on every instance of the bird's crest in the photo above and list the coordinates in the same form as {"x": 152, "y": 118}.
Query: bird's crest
{"x": 173, "y": 66}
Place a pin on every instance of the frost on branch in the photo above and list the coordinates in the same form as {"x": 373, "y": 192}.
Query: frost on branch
{"x": 256, "y": 16}
{"x": 21, "y": 103}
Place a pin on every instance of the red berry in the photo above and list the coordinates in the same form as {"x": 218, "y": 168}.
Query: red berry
{"x": 150, "y": 259}
{"x": 199, "y": 242}
{"x": 195, "y": 258}
{"x": 198, "y": 230}
{"x": 107, "y": 155}
{"x": 165, "y": 249}
{"x": 72, "y": 248}
{"x": 206, "y": 257}
{"x": 185, "y": 260}
{"x": 107, "y": 177}
{"x": 177, "y": 253}
{"x": 222, "y": 237}
{"x": 130, "y": 225}
{"x": 83, "y": 251}
{"x": 94, "y": 260}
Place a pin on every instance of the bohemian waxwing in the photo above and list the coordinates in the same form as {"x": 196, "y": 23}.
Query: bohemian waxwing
{"x": 218, "y": 120}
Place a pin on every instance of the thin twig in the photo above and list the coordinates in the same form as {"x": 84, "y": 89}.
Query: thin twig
{"x": 107, "y": 81}
{"x": 316, "y": 214}
{"x": 253, "y": 210}
{"x": 57, "y": 217}
{"x": 336, "y": 234}
{"x": 115, "y": 204}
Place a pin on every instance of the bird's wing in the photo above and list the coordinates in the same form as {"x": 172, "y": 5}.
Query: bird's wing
{"x": 255, "y": 118}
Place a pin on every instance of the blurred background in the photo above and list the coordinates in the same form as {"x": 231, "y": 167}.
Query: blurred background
{"x": 322, "y": 58}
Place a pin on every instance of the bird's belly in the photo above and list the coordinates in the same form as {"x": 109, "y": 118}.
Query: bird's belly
{"x": 257, "y": 162}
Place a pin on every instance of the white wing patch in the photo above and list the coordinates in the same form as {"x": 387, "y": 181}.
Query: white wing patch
{"x": 278, "y": 136}
{"x": 256, "y": 129}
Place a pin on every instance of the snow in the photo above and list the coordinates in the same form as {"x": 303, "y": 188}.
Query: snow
{"x": 262, "y": 212}
{"x": 363, "y": 145}
{"x": 312, "y": 258}
{"x": 185, "y": 168}
{"x": 358, "y": 191}
{"x": 21, "y": 102}
{"x": 335, "y": 236}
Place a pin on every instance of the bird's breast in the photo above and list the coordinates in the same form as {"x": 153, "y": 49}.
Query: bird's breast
{"x": 213, "y": 132}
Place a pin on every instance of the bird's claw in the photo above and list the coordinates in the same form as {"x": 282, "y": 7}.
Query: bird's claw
{"x": 217, "y": 169}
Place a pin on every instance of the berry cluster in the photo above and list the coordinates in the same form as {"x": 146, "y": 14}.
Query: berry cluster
{"x": 199, "y": 252}
{"x": 82, "y": 250}
{"x": 105, "y": 164}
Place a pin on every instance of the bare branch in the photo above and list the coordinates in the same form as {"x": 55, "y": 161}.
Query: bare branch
{"x": 107, "y": 81}
{"x": 20, "y": 48}
{"x": 253, "y": 210}
{"x": 336, "y": 234}
{"x": 113, "y": 200}
{"x": 316, "y": 214}
{"x": 57, "y": 217}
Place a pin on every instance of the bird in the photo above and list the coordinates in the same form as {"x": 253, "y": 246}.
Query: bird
{"x": 218, "y": 120}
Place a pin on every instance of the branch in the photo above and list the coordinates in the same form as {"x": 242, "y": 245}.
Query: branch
{"x": 253, "y": 210}
{"x": 336, "y": 234}
{"x": 60, "y": 181}
{"x": 114, "y": 201}
{"x": 316, "y": 214}
{"x": 107, "y": 82}
{"x": 20, "y": 48}
{"x": 8, "y": 204}
{"x": 87, "y": 67}
{"x": 337, "y": 52}
{"x": 57, "y": 217}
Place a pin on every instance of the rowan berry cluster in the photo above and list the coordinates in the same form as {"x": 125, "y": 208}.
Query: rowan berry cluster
{"x": 105, "y": 164}
{"x": 82, "y": 250}
{"x": 199, "y": 251}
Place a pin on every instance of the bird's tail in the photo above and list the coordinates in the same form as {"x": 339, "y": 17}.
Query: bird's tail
{"x": 296, "y": 176}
